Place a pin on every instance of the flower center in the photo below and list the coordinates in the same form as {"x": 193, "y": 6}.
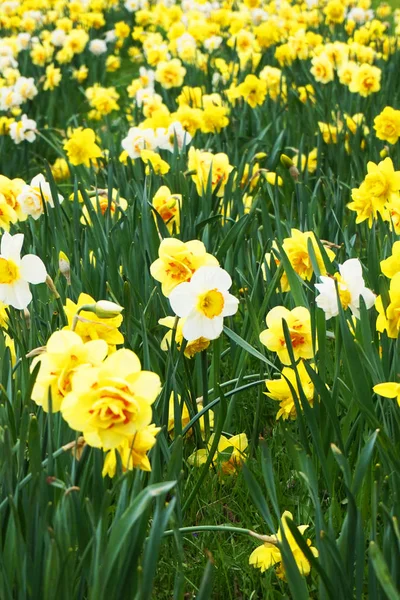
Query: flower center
{"x": 9, "y": 272}
{"x": 211, "y": 303}
{"x": 344, "y": 294}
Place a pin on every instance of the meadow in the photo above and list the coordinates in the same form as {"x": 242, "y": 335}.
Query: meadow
{"x": 199, "y": 300}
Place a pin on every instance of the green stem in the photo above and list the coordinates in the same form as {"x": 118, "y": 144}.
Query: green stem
{"x": 28, "y": 477}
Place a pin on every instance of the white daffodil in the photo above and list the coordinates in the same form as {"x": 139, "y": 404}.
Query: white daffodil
{"x": 175, "y": 133}
{"x": 17, "y": 273}
{"x": 23, "y": 130}
{"x": 351, "y": 286}
{"x": 138, "y": 140}
{"x": 204, "y": 302}
{"x": 32, "y": 196}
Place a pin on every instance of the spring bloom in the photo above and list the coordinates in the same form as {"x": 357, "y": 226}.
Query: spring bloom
{"x": 23, "y": 130}
{"x": 91, "y": 326}
{"x": 170, "y": 73}
{"x": 366, "y": 80}
{"x": 388, "y": 390}
{"x": 111, "y": 402}
{"x": 253, "y": 90}
{"x": 32, "y": 196}
{"x": 299, "y": 325}
{"x": 266, "y": 556}
{"x": 81, "y": 147}
{"x": 351, "y": 286}
{"x": 138, "y": 140}
{"x": 132, "y": 451}
{"x": 280, "y": 390}
{"x": 391, "y": 265}
{"x": 204, "y": 302}
{"x": 205, "y": 163}
{"x": 177, "y": 261}
{"x": 229, "y": 456}
{"x": 322, "y": 68}
{"x": 168, "y": 206}
{"x": 17, "y": 273}
{"x": 387, "y": 125}
{"x": 185, "y": 416}
{"x": 191, "y": 348}
{"x": 65, "y": 353}
{"x": 389, "y": 320}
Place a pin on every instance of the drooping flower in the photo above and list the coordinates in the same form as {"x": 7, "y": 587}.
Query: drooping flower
{"x": 280, "y": 390}
{"x": 299, "y": 324}
{"x": 133, "y": 452}
{"x": 230, "y": 454}
{"x": 351, "y": 287}
{"x": 268, "y": 554}
{"x": 17, "y": 273}
{"x": 168, "y": 207}
{"x": 65, "y": 352}
{"x": 177, "y": 261}
{"x": 204, "y": 302}
{"x": 111, "y": 402}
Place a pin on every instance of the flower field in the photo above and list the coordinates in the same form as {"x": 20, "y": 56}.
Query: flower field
{"x": 199, "y": 300}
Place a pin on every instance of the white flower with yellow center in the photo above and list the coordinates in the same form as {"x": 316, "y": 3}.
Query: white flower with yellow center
{"x": 204, "y": 301}
{"x": 351, "y": 286}
{"x": 17, "y": 273}
{"x": 32, "y": 196}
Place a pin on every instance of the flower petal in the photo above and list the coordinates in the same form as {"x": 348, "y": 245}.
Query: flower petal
{"x": 33, "y": 269}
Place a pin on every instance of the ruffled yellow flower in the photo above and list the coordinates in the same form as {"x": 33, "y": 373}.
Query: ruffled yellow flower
{"x": 133, "y": 452}
{"x": 266, "y": 556}
{"x": 389, "y": 321}
{"x": 253, "y": 90}
{"x": 230, "y": 454}
{"x": 91, "y": 327}
{"x": 81, "y": 147}
{"x": 280, "y": 390}
{"x": 168, "y": 206}
{"x": 391, "y": 265}
{"x": 387, "y": 125}
{"x": 202, "y": 163}
{"x": 65, "y": 352}
{"x": 299, "y": 324}
{"x": 177, "y": 261}
{"x": 111, "y": 402}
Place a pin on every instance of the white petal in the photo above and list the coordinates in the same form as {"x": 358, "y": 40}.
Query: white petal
{"x": 209, "y": 278}
{"x": 351, "y": 269}
{"x": 182, "y": 299}
{"x": 369, "y": 297}
{"x": 17, "y": 295}
{"x": 33, "y": 269}
{"x": 230, "y": 305}
{"x": 197, "y": 325}
{"x": 11, "y": 246}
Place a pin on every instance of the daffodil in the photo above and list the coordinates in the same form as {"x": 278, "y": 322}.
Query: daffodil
{"x": 230, "y": 454}
{"x": 281, "y": 391}
{"x": 65, "y": 352}
{"x": 204, "y": 302}
{"x": 90, "y": 326}
{"x": 111, "y": 402}
{"x": 351, "y": 287}
{"x": 178, "y": 261}
{"x": 299, "y": 326}
{"x": 269, "y": 554}
{"x": 17, "y": 273}
{"x": 132, "y": 451}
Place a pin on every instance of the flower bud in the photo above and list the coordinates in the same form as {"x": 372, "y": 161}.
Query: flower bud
{"x": 286, "y": 161}
{"x": 64, "y": 266}
{"x": 385, "y": 152}
{"x": 260, "y": 155}
{"x": 107, "y": 310}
